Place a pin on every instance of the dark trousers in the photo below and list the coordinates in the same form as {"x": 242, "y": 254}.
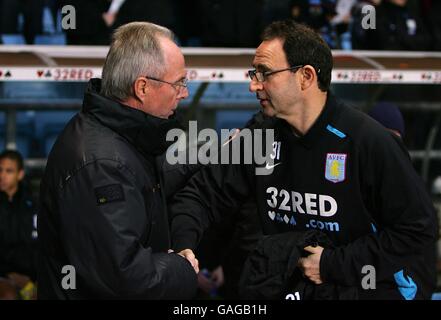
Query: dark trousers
{"x": 32, "y": 11}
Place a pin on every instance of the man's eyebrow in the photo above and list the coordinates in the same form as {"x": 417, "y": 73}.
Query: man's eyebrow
{"x": 182, "y": 78}
{"x": 261, "y": 67}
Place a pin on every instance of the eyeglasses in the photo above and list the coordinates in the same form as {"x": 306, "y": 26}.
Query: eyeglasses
{"x": 262, "y": 76}
{"x": 181, "y": 84}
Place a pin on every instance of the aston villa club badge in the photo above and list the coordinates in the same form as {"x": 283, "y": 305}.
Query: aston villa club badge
{"x": 335, "y": 167}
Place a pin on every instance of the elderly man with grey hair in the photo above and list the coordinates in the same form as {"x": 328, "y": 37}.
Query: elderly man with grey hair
{"x": 103, "y": 226}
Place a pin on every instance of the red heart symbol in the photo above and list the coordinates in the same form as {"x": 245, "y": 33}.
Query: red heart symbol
{"x": 40, "y": 73}
{"x": 1, "y": 73}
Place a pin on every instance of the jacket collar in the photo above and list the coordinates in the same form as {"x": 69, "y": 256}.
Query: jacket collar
{"x": 145, "y": 132}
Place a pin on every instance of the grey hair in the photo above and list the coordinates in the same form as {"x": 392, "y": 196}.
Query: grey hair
{"x": 135, "y": 51}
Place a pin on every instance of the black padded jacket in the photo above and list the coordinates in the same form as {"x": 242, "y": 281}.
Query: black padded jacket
{"x": 103, "y": 211}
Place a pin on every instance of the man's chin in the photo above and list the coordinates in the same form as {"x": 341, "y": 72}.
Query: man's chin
{"x": 172, "y": 114}
{"x": 267, "y": 110}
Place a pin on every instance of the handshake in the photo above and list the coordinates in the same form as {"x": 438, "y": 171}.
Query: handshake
{"x": 189, "y": 255}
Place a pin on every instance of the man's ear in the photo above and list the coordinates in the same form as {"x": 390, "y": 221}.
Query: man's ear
{"x": 140, "y": 88}
{"x": 21, "y": 174}
{"x": 309, "y": 76}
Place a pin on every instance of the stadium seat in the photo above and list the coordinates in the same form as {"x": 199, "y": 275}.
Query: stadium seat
{"x": 15, "y": 39}
{"x": 436, "y": 296}
{"x": 51, "y": 39}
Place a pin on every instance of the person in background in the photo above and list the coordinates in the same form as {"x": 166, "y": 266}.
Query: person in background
{"x": 389, "y": 115}
{"x": 397, "y": 28}
{"x": 342, "y": 19}
{"x": 316, "y": 14}
{"x": 362, "y": 38}
{"x": 18, "y": 229}
{"x": 161, "y": 12}
{"x": 1, "y": 40}
{"x": 230, "y": 23}
{"x": 32, "y": 11}
{"x": 91, "y": 28}
{"x": 112, "y": 13}
{"x": 431, "y": 11}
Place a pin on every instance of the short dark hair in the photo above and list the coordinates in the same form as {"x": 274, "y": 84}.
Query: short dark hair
{"x": 14, "y": 156}
{"x": 303, "y": 46}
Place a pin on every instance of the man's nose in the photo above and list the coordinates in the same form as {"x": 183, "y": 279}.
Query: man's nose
{"x": 183, "y": 93}
{"x": 255, "y": 86}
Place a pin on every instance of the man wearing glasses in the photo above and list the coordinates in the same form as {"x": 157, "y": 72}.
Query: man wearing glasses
{"x": 103, "y": 226}
{"x": 335, "y": 170}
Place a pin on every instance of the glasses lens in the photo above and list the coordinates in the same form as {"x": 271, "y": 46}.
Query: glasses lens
{"x": 182, "y": 83}
{"x": 256, "y": 75}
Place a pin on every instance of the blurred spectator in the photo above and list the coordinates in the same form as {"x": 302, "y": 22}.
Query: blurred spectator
{"x": 223, "y": 251}
{"x": 397, "y": 28}
{"x": 210, "y": 282}
{"x": 112, "y": 13}
{"x": 361, "y": 38}
{"x": 211, "y": 253}
{"x": 341, "y": 21}
{"x": 317, "y": 14}
{"x": 160, "y": 12}
{"x": 18, "y": 235}
{"x": 7, "y": 290}
{"x": 314, "y": 13}
{"x": 343, "y": 12}
{"x": 275, "y": 10}
{"x": 188, "y": 25}
{"x": 1, "y": 23}
{"x": 389, "y": 115}
{"x": 431, "y": 10}
{"x": 32, "y": 12}
{"x": 90, "y": 26}
{"x": 52, "y": 5}
{"x": 230, "y": 23}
